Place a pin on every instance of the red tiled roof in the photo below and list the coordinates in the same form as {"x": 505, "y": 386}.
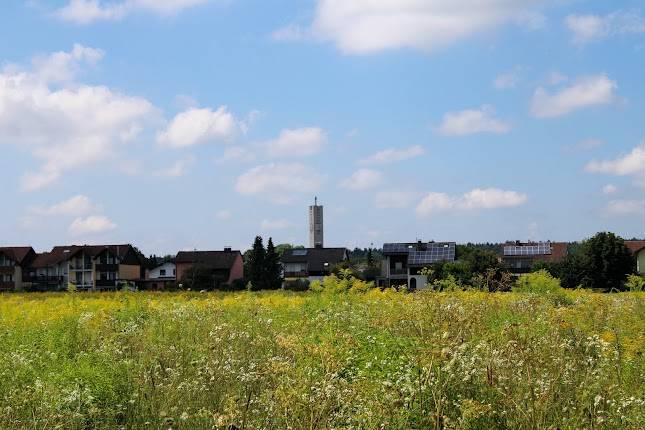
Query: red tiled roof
{"x": 635, "y": 245}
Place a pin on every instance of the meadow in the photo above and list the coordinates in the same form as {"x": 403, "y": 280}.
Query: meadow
{"x": 281, "y": 360}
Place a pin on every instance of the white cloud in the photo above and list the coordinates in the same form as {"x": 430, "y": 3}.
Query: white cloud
{"x": 629, "y": 164}
{"x": 585, "y": 92}
{"x": 64, "y": 66}
{"x": 395, "y": 199}
{"x": 508, "y": 79}
{"x": 299, "y": 142}
{"x": 223, "y": 215}
{"x": 490, "y": 198}
{"x": 278, "y": 224}
{"x": 197, "y": 126}
{"x": 357, "y": 27}
{"x": 472, "y": 121}
{"x": 69, "y": 127}
{"x": 88, "y": 11}
{"x": 392, "y": 155}
{"x": 362, "y": 179}
{"x": 625, "y": 207}
{"x": 589, "y": 28}
{"x": 76, "y": 206}
{"x": 279, "y": 183}
{"x": 177, "y": 169}
{"x": 609, "y": 189}
{"x": 93, "y": 224}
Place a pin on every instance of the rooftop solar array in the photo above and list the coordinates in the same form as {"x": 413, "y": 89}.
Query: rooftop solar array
{"x": 434, "y": 253}
{"x": 299, "y": 252}
{"x": 397, "y": 248}
{"x": 542, "y": 248}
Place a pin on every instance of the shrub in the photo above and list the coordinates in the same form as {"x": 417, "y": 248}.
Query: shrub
{"x": 296, "y": 285}
{"x": 542, "y": 283}
{"x": 635, "y": 283}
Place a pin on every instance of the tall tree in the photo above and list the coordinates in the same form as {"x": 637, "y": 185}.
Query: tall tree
{"x": 272, "y": 266}
{"x": 370, "y": 258}
{"x": 608, "y": 262}
{"x": 256, "y": 266}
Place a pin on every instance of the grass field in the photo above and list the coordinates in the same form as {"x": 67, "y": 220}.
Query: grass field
{"x": 322, "y": 361}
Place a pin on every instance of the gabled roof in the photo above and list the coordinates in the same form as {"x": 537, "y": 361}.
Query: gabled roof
{"x": 17, "y": 253}
{"x": 635, "y": 246}
{"x": 212, "y": 259}
{"x": 59, "y": 254}
{"x": 317, "y": 259}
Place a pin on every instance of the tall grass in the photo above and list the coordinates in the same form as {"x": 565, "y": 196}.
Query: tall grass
{"x": 459, "y": 360}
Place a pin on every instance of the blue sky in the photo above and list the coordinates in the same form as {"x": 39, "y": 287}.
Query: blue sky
{"x": 181, "y": 124}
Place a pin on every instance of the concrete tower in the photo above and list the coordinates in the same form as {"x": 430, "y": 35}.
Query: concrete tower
{"x": 316, "y": 225}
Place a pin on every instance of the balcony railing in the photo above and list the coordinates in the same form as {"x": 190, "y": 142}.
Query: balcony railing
{"x": 80, "y": 266}
{"x": 299, "y": 274}
{"x": 398, "y": 272}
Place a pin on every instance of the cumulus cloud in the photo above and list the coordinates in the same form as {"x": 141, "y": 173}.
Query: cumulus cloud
{"x": 625, "y": 207}
{"x": 67, "y": 125}
{"x": 472, "y": 121}
{"x": 392, "y": 155}
{"x": 362, "y": 179}
{"x": 357, "y": 27}
{"x": 197, "y": 126}
{"x": 93, "y": 224}
{"x": 590, "y": 28}
{"x": 395, "y": 199}
{"x": 627, "y": 165}
{"x": 584, "y": 93}
{"x": 299, "y": 142}
{"x": 279, "y": 183}
{"x": 74, "y": 206}
{"x": 490, "y": 198}
{"x": 277, "y": 224}
{"x": 88, "y": 11}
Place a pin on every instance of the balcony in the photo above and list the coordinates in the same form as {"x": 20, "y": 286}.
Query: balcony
{"x": 398, "y": 272}
{"x": 300, "y": 274}
{"x": 80, "y": 267}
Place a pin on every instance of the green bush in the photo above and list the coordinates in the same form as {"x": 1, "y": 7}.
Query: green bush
{"x": 635, "y": 283}
{"x": 296, "y": 285}
{"x": 542, "y": 283}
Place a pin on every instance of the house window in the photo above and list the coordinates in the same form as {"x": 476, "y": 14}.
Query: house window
{"x": 173, "y": 272}
{"x": 162, "y": 272}
{"x": 398, "y": 265}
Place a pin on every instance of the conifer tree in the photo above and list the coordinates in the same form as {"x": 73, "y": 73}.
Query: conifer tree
{"x": 272, "y": 266}
{"x": 257, "y": 264}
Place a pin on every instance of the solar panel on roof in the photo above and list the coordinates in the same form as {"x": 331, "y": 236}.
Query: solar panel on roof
{"x": 542, "y": 248}
{"x": 402, "y": 248}
{"x": 299, "y": 252}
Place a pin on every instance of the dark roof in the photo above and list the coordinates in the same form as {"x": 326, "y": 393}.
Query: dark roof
{"x": 422, "y": 253}
{"x": 317, "y": 259}
{"x": 17, "y": 253}
{"x": 59, "y": 254}
{"x": 635, "y": 245}
{"x": 212, "y": 259}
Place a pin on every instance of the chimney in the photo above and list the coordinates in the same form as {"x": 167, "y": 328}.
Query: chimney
{"x": 228, "y": 249}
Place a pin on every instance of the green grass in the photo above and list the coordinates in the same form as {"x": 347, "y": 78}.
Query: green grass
{"x": 461, "y": 360}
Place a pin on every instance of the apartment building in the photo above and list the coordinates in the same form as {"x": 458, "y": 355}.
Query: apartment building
{"x": 14, "y": 263}
{"x": 403, "y": 263}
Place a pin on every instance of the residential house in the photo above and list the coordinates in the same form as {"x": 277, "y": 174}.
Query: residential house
{"x": 226, "y": 266}
{"x": 14, "y": 261}
{"x": 87, "y": 267}
{"x": 162, "y": 276}
{"x": 311, "y": 263}
{"x": 403, "y": 263}
{"x": 637, "y": 247}
{"x": 520, "y": 257}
